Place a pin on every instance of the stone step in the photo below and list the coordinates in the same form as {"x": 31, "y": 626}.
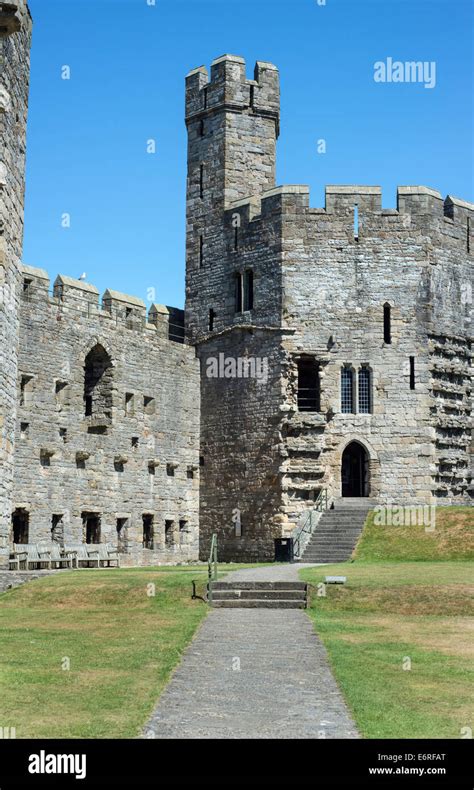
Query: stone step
{"x": 329, "y": 550}
{"x": 359, "y": 503}
{"x": 264, "y": 595}
{"x": 331, "y": 545}
{"x": 331, "y": 521}
{"x": 258, "y": 585}
{"x": 258, "y": 603}
{"x": 330, "y": 539}
{"x": 322, "y": 556}
{"x": 336, "y": 515}
{"x": 327, "y": 557}
{"x": 338, "y": 531}
{"x": 275, "y": 595}
{"x": 335, "y": 533}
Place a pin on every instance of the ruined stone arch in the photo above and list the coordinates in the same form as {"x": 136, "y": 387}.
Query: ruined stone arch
{"x": 95, "y": 340}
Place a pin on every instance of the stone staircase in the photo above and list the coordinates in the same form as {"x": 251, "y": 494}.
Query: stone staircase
{"x": 259, "y": 595}
{"x": 338, "y": 530}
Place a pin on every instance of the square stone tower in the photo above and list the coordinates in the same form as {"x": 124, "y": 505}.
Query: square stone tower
{"x": 335, "y": 343}
{"x": 15, "y": 41}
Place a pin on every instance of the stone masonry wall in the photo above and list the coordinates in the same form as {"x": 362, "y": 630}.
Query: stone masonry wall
{"x": 320, "y": 286}
{"x": 240, "y": 472}
{"x": 15, "y": 38}
{"x": 137, "y": 453}
{"x": 397, "y": 258}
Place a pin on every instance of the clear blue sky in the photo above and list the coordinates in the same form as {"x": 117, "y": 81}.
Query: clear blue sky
{"x": 87, "y": 136}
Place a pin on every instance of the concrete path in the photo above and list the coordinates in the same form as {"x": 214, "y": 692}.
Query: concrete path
{"x": 269, "y": 573}
{"x": 253, "y": 673}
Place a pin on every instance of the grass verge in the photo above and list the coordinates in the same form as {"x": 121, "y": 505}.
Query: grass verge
{"x": 390, "y": 616}
{"x": 452, "y": 538}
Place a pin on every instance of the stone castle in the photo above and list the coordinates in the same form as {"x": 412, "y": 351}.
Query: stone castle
{"x": 321, "y": 349}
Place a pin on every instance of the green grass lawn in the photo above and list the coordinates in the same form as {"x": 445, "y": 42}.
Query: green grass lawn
{"x": 388, "y": 612}
{"x": 121, "y": 643}
{"x": 452, "y": 538}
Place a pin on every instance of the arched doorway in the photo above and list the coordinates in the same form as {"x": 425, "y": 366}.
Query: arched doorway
{"x": 355, "y": 471}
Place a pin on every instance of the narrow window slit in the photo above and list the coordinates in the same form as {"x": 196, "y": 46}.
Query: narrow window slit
{"x": 238, "y": 292}
{"x": 248, "y": 290}
{"x": 412, "y": 373}
{"x": 387, "y": 321}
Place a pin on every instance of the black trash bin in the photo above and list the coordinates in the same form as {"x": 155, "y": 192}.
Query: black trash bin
{"x": 284, "y": 550}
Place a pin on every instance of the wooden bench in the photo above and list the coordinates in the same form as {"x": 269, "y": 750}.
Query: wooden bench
{"x": 108, "y": 554}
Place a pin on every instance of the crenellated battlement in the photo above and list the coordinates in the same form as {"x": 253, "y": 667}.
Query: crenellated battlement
{"x": 73, "y": 297}
{"x": 418, "y": 205}
{"x": 229, "y": 89}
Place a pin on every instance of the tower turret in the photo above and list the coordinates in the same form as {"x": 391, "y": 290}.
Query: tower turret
{"x": 233, "y": 125}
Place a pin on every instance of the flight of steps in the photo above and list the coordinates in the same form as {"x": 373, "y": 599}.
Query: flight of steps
{"x": 259, "y": 595}
{"x": 338, "y": 530}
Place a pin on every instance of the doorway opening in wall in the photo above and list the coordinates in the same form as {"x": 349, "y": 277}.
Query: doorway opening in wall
{"x": 20, "y": 525}
{"x": 355, "y": 471}
{"x": 122, "y": 535}
{"x": 148, "y": 531}
{"x": 57, "y": 528}
{"x": 183, "y": 530}
{"x": 169, "y": 529}
{"x": 91, "y": 527}
{"x": 308, "y": 384}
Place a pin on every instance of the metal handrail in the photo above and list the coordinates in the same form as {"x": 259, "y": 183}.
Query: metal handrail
{"x": 322, "y": 500}
{"x": 212, "y": 567}
{"x": 320, "y": 504}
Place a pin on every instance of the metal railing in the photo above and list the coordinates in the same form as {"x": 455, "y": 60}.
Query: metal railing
{"x": 212, "y": 567}
{"x": 307, "y": 527}
{"x": 322, "y": 500}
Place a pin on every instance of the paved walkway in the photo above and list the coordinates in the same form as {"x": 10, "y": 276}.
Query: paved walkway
{"x": 269, "y": 573}
{"x": 253, "y": 673}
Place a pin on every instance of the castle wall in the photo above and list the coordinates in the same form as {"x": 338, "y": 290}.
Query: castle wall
{"x": 321, "y": 278}
{"x": 233, "y": 125}
{"x": 334, "y": 286}
{"x": 240, "y": 439}
{"x": 131, "y": 457}
{"x": 15, "y": 38}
